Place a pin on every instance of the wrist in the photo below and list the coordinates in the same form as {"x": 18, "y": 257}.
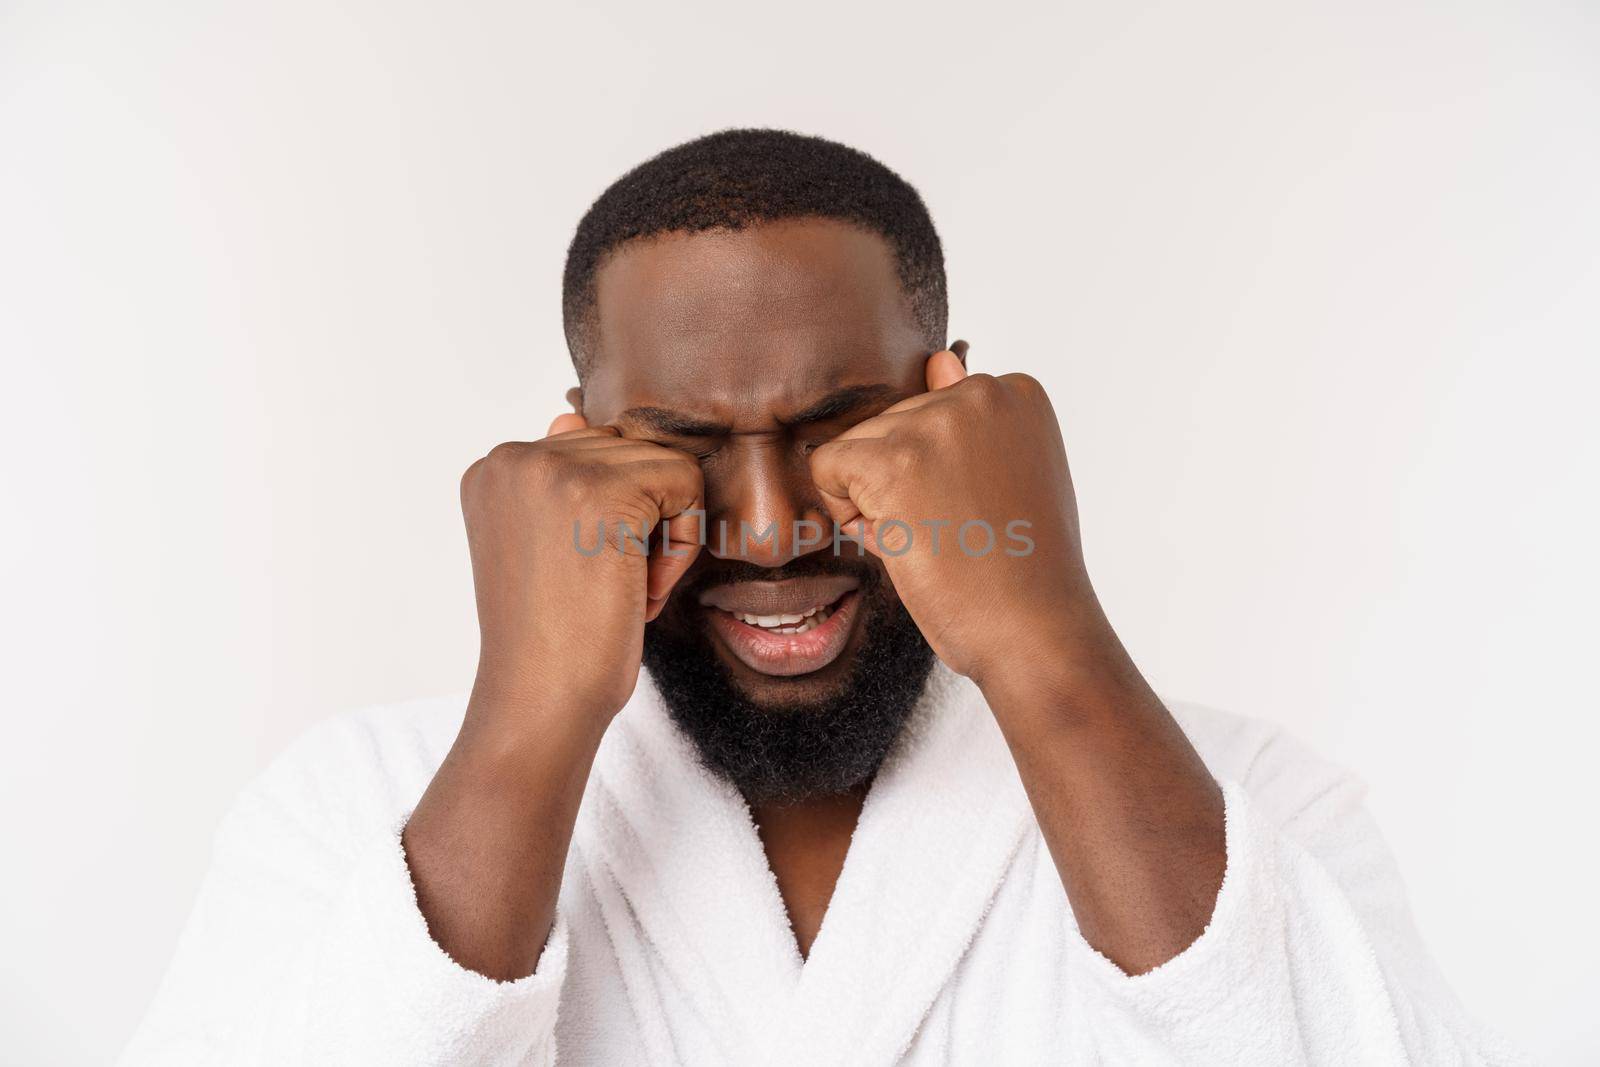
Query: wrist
{"x": 1071, "y": 675}
{"x": 510, "y": 723}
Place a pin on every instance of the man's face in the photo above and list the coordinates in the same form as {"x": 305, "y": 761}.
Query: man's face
{"x": 748, "y": 349}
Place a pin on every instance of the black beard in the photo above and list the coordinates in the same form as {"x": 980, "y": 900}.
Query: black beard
{"x": 814, "y": 748}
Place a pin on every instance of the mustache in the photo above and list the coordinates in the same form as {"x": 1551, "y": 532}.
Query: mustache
{"x": 732, "y": 571}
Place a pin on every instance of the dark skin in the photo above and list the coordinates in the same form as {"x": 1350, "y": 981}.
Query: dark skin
{"x": 770, "y": 375}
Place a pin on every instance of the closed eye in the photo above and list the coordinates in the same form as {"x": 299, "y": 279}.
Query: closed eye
{"x": 701, "y": 448}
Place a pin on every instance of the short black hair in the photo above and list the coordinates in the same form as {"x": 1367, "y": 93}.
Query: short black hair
{"x": 736, "y": 178}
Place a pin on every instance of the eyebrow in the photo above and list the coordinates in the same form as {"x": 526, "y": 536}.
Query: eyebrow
{"x": 674, "y": 423}
{"x": 839, "y": 403}
{"x": 836, "y": 405}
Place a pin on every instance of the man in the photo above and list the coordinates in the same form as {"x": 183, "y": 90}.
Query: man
{"x": 892, "y": 790}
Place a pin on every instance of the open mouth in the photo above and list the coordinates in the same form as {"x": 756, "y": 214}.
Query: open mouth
{"x": 785, "y": 628}
{"x": 789, "y": 624}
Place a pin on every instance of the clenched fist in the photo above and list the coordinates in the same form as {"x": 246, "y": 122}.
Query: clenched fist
{"x": 964, "y": 493}
{"x": 565, "y": 624}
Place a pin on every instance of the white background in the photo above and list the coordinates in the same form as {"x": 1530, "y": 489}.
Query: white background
{"x": 1315, "y": 292}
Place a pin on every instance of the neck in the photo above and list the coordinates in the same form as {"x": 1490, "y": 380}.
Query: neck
{"x": 806, "y": 842}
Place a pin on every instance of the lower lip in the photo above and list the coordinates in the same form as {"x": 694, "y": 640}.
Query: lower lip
{"x": 786, "y": 655}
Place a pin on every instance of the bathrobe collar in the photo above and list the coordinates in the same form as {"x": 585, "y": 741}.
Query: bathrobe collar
{"x": 674, "y": 846}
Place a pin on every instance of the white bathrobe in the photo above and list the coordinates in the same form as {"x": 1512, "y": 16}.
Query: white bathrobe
{"x": 949, "y": 939}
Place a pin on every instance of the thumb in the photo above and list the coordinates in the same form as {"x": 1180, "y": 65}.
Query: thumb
{"x": 565, "y": 423}
{"x": 944, "y": 369}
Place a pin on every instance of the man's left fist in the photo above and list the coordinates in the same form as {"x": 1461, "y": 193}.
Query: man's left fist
{"x": 964, "y": 493}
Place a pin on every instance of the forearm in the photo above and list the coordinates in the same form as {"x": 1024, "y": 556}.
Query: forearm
{"x": 1133, "y": 819}
{"x": 488, "y": 841}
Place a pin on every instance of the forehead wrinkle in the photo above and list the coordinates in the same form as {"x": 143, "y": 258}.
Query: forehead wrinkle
{"x": 761, "y": 404}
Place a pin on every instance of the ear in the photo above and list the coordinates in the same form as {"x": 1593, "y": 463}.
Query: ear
{"x": 960, "y": 349}
{"x": 575, "y": 398}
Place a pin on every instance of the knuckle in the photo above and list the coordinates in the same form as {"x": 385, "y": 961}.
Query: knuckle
{"x": 470, "y": 476}
{"x": 976, "y": 393}
{"x": 532, "y": 468}
{"x": 983, "y": 384}
{"x": 1023, "y": 383}
{"x": 986, "y": 393}
{"x": 1031, "y": 393}
{"x": 564, "y": 479}
{"x": 504, "y": 453}
{"x": 903, "y": 461}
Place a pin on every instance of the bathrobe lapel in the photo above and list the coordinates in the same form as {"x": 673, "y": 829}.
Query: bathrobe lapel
{"x": 678, "y": 844}
{"x": 941, "y": 823}
{"x": 940, "y": 827}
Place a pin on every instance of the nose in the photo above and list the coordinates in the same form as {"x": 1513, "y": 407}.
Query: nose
{"x": 761, "y": 505}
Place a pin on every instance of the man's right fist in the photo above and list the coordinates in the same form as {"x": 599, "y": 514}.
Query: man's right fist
{"x": 562, "y": 630}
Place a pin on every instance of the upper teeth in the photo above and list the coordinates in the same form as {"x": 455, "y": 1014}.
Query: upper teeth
{"x": 788, "y": 624}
